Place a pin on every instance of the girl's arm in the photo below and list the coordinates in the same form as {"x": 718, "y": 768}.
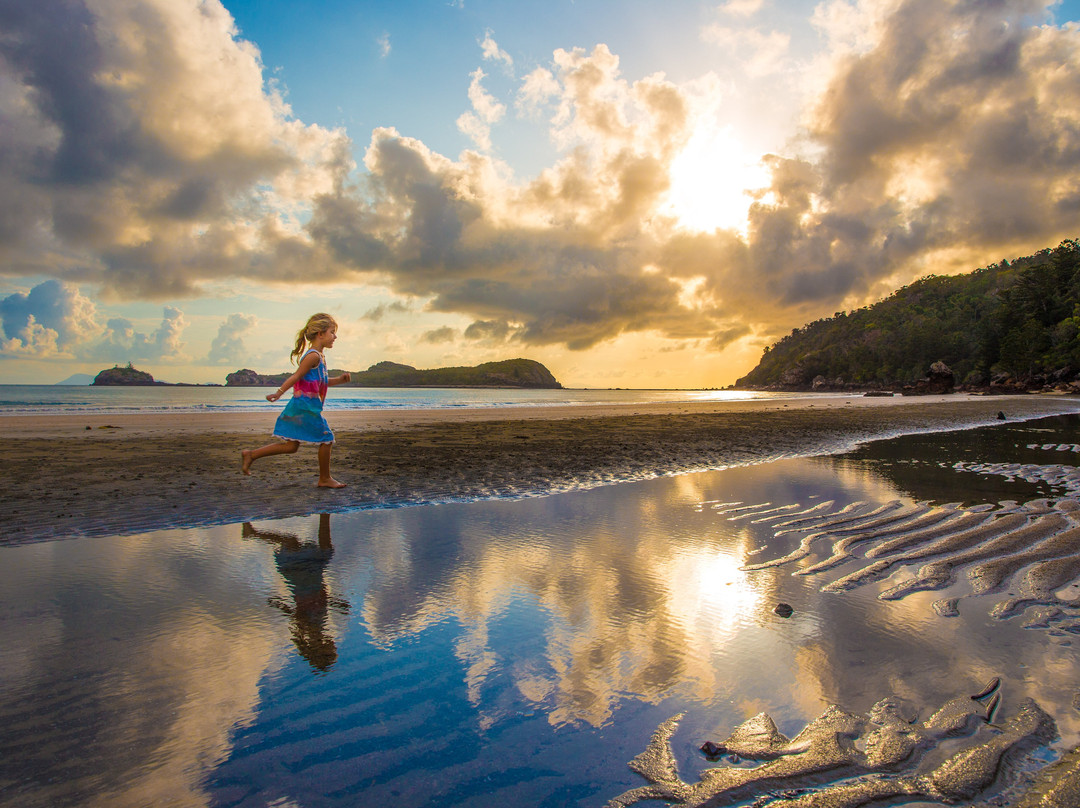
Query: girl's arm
{"x": 342, "y": 379}
{"x": 306, "y": 364}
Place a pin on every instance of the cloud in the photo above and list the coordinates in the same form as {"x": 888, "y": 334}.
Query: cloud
{"x": 383, "y": 42}
{"x": 486, "y": 110}
{"x": 439, "y": 336}
{"x": 850, "y": 27}
{"x": 490, "y": 331}
{"x": 377, "y": 313}
{"x": 456, "y": 244}
{"x": 228, "y": 346}
{"x": 144, "y": 153}
{"x": 32, "y": 340}
{"x": 122, "y": 342}
{"x": 55, "y": 319}
{"x": 537, "y": 89}
{"x": 755, "y": 52}
{"x": 958, "y": 129}
{"x": 492, "y": 52}
{"x": 52, "y": 315}
{"x": 741, "y": 8}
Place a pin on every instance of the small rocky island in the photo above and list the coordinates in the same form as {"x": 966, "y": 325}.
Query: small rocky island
{"x": 117, "y": 376}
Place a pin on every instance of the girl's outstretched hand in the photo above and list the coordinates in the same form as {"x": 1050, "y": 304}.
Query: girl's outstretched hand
{"x": 274, "y": 396}
{"x": 346, "y": 376}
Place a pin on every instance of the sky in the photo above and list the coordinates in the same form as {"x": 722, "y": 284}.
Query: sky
{"x": 636, "y": 194}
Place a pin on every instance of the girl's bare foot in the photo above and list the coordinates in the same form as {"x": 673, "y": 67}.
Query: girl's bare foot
{"x": 331, "y": 483}
{"x": 245, "y": 464}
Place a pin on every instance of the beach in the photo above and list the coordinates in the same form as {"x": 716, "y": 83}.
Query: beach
{"x": 192, "y": 636}
{"x": 93, "y": 475}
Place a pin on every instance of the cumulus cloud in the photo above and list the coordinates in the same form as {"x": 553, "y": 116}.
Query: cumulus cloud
{"x": 543, "y": 255}
{"x": 377, "y": 313}
{"x": 958, "y": 129}
{"x": 54, "y": 319}
{"x": 494, "y": 331}
{"x": 439, "y": 336}
{"x": 850, "y": 27}
{"x": 486, "y": 110}
{"x": 228, "y": 346}
{"x": 757, "y": 53}
{"x": 144, "y": 152}
{"x": 32, "y": 340}
{"x": 52, "y": 315}
{"x": 123, "y": 342}
{"x": 912, "y": 155}
{"x": 741, "y": 8}
{"x": 492, "y": 52}
{"x": 536, "y": 90}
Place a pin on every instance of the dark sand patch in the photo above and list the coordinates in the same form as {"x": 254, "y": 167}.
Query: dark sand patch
{"x": 61, "y": 479}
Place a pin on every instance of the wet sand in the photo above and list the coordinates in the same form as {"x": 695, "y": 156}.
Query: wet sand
{"x": 71, "y": 476}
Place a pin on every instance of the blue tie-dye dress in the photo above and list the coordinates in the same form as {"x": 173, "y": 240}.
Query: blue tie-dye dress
{"x": 302, "y": 418}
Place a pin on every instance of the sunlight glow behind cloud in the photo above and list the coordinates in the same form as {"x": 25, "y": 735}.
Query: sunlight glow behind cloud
{"x": 713, "y": 181}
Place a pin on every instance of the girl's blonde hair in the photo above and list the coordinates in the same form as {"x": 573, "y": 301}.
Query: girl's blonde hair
{"x": 316, "y": 324}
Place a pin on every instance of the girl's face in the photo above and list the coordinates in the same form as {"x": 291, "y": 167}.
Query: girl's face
{"x": 326, "y": 338}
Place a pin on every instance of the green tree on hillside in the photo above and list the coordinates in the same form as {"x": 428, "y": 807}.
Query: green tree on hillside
{"x": 1020, "y": 318}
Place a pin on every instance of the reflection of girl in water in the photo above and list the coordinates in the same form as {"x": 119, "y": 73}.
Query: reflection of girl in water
{"x": 303, "y": 567}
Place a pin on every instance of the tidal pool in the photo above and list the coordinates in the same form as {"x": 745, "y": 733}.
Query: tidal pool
{"x": 523, "y": 652}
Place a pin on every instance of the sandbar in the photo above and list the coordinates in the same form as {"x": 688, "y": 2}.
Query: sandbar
{"x": 75, "y": 475}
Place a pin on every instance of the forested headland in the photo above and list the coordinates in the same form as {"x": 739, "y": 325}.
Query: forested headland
{"x": 1014, "y": 325}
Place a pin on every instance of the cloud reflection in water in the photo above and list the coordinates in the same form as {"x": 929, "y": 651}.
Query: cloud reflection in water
{"x": 512, "y": 649}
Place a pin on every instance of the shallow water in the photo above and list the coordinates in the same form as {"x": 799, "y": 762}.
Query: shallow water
{"x": 509, "y": 652}
{"x": 40, "y": 399}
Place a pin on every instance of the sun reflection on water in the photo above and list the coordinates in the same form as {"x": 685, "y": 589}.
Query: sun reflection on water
{"x": 708, "y": 591}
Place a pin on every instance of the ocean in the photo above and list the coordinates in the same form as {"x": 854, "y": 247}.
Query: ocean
{"x": 19, "y": 399}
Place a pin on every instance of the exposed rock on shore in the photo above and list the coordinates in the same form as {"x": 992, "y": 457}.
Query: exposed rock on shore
{"x": 939, "y": 380}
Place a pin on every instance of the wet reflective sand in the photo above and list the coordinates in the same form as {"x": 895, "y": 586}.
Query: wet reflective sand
{"x": 524, "y": 652}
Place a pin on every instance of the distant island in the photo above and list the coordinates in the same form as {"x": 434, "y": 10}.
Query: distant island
{"x": 117, "y": 376}
{"x": 1012, "y": 327}
{"x": 76, "y": 380}
{"x": 129, "y": 376}
{"x": 523, "y": 373}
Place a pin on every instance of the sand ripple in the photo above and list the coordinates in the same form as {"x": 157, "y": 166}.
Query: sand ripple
{"x": 843, "y": 760}
{"x": 1030, "y": 548}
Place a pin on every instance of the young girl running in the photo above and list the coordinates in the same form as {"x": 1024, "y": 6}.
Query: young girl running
{"x": 302, "y": 420}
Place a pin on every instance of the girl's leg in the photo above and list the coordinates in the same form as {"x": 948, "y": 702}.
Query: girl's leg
{"x": 248, "y": 456}
{"x": 325, "y": 480}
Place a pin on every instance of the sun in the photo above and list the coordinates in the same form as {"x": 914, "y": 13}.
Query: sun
{"x": 711, "y": 181}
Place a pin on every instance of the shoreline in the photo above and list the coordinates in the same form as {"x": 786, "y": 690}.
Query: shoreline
{"x": 81, "y": 475}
